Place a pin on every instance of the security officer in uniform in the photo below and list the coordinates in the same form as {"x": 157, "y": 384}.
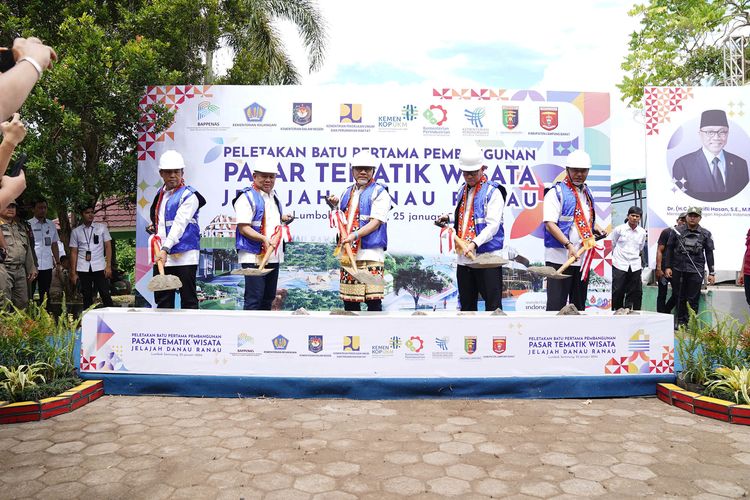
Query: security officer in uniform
{"x": 689, "y": 249}
{"x": 18, "y": 269}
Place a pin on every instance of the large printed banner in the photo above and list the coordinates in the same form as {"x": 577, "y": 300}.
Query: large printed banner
{"x": 442, "y": 344}
{"x": 417, "y": 133}
{"x": 678, "y": 171}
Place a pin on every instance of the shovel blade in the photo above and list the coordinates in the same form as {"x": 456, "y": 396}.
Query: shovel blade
{"x": 548, "y": 272}
{"x": 368, "y": 279}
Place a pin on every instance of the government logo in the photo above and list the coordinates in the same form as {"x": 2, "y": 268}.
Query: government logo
{"x": 498, "y": 345}
{"x": 280, "y": 343}
{"x": 315, "y": 343}
{"x": 351, "y": 343}
{"x": 395, "y": 343}
{"x": 302, "y": 113}
{"x": 415, "y": 344}
{"x": 255, "y": 113}
{"x": 548, "y": 118}
{"x": 475, "y": 116}
{"x": 470, "y": 345}
{"x": 244, "y": 339}
{"x": 510, "y": 117}
{"x": 409, "y": 112}
{"x": 442, "y": 343}
{"x": 350, "y": 113}
{"x": 206, "y": 109}
{"x": 436, "y": 115}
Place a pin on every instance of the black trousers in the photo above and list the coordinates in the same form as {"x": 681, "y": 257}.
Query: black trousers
{"x": 473, "y": 282}
{"x": 260, "y": 290}
{"x": 372, "y": 305}
{"x": 43, "y": 281}
{"x": 573, "y": 290}
{"x": 664, "y": 305}
{"x": 91, "y": 282}
{"x": 689, "y": 285}
{"x": 747, "y": 288}
{"x": 188, "y": 295}
{"x": 627, "y": 289}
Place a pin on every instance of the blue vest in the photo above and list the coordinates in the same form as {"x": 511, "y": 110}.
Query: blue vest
{"x": 481, "y": 198}
{"x": 379, "y": 237}
{"x": 567, "y": 215}
{"x": 259, "y": 207}
{"x": 191, "y": 238}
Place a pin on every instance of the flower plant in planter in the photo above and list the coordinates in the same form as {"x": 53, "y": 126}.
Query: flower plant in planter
{"x": 36, "y": 353}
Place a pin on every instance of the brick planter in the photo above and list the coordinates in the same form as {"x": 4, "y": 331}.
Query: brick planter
{"x": 27, "y": 411}
{"x": 703, "y": 405}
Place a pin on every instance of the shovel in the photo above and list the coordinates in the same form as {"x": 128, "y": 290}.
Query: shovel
{"x": 163, "y": 282}
{"x": 261, "y": 269}
{"x": 360, "y": 275}
{"x": 550, "y": 272}
{"x": 481, "y": 261}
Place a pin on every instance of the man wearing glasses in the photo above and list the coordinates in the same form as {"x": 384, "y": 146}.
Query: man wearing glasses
{"x": 711, "y": 173}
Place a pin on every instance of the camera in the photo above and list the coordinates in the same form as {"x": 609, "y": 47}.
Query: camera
{"x": 7, "y": 60}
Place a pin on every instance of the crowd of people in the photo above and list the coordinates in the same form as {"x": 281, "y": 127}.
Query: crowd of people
{"x": 31, "y": 258}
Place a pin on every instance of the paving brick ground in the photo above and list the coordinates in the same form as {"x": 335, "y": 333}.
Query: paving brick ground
{"x": 158, "y": 447}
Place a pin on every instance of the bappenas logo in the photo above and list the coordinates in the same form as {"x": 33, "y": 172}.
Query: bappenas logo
{"x": 206, "y": 109}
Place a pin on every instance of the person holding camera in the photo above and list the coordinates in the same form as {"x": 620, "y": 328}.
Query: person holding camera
{"x": 21, "y": 67}
{"x": 91, "y": 255}
{"x": 11, "y": 186}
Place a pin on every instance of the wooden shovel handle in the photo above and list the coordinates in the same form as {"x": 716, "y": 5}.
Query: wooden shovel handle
{"x": 269, "y": 251}
{"x": 571, "y": 260}
{"x": 160, "y": 265}
{"x": 350, "y": 254}
{"x": 462, "y": 245}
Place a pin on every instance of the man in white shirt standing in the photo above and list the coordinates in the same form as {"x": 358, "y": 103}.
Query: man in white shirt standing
{"x": 45, "y": 247}
{"x": 174, "y": 219}
{"x": 365, "y": 206}
{"x": 479, "y": 220}
{"x": 91, "y": 255}
{"x": 569, "y": 223}
{"x": 259, "y": 219}
{"x": 628, "y": 241}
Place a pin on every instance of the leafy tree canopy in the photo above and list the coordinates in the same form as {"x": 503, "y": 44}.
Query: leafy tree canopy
{"x": 680, "y": 43}
{"x": 83, "y": 114}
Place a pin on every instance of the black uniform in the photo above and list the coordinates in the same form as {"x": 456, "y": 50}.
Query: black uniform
{"x": 687, "y": 254}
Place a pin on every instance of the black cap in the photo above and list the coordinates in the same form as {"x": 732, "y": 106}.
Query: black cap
{"x": 635, "y": 210}
{"x": 714, "y": 118}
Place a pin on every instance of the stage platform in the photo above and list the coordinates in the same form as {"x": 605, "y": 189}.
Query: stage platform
{"x": 376, "y": 356}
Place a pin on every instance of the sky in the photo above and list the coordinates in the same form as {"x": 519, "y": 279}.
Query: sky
{"x": 528, "y": 44}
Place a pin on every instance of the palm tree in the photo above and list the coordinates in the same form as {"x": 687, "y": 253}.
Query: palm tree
{"x": 248, "y": 30}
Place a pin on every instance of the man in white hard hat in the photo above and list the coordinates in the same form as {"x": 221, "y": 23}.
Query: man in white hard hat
{"x": 259, "y": 228}
{"x": 478, "y": 219}
{"x": 365, "y": 205}
{"x": 174, "y": 218}
{"x": 569, "y": 223}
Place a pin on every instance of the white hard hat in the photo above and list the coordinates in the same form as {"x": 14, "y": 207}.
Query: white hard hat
{"x": 171, "y": 160}
{"x": 471, "y": 159}
{"x": 266, "y": 165}
{"x": 365, "y": 159}
{"x": 579, "y": 159}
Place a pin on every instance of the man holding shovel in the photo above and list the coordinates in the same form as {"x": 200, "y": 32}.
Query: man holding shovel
{"x": 478, "y": 221}
{"x": 569, "y": 230}
{"x": 259, "y": 235}
{"x": 365, "y": 207}
{"x": 174, "y": 217}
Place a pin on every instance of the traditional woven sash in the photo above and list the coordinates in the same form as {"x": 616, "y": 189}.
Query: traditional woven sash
{"x": 470, "y": 232}
{"x": 158, "y": 204}
{"x": 262, "y": 231}
{"x": 584, "y": 228}
{"x": 355, "y": 220}
{"x": 154, "y": 241}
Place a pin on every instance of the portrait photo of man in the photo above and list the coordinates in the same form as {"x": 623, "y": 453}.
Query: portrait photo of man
{"x": 711, "y": 173}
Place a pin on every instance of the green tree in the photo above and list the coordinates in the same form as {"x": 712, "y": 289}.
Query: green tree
{"x": 410, "y": 276}
{"x": 680, "y": 43}
{"x": 84, "y": 114}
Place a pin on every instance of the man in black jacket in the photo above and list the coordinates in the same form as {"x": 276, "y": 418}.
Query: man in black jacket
{"x": 690, "y": 249}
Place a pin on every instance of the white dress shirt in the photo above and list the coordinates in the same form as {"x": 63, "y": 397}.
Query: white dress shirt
{"x": 90, "y": 238}
{"x": 552, "y": 209}
{"x": 381, "y": 204}
{"x": 493, "y": 218}
{"x": 627, "y": 245}
{"x": 184, "y": 215}
{"x": 45, "y": 235}
{"x": 245, "y": 214}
